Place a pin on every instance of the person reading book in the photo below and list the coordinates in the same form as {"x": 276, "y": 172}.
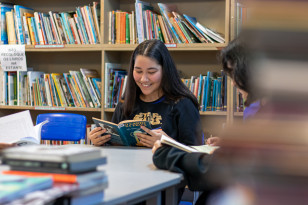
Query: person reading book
{"x": 155, "y": 93}
{"x": 195, "y": 166}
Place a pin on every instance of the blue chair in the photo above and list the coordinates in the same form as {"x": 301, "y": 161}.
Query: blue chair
{"x": 62, "y": 126}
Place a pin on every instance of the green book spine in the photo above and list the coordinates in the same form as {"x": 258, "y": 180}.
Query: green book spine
{"x": 127, "y": 30}
{"x": 15, "y": 88}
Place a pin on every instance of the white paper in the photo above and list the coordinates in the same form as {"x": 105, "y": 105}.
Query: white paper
{"x": 16, "y": 126}
{"x": 13, "y": 57}
{"x": 38, "y": 130}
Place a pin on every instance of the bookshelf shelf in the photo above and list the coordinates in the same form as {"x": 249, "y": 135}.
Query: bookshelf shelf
{"x": 171, "y": 47}
{"x": 209, "y": 113}
{"x": 238, "y": 114}
{"x": 214, "y": 113}
{"x": 61, "y": 48}
{"x": 43, "y": 108}
{"x": 109, "y": 109}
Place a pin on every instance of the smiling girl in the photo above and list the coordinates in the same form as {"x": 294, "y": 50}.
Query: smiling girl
{"x": 155, "y": 93}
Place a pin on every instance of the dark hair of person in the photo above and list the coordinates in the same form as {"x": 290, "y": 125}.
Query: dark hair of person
{"x": 171, "y": 83}
{"x": 235, "y": 61}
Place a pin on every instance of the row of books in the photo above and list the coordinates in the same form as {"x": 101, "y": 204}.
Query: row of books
{"x": 115, "y": 83}
{"x": 22, "y": 25}
{"x": 122, "y": 28}
{"x": 36, "y": 88}
{"x": 169, "y": 26}
{"x": 210, "y": 90}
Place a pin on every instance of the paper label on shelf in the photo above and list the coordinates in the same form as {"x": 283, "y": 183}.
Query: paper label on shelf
{"x": 49, "y": 46}
{"x": 49, "y": 108}
{"x": 170, "y": 45}
{"x": 13, "y": 58}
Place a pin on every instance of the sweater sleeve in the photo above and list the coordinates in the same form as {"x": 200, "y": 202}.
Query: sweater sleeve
{"x": 193, "y": 166}
{"x": 188, "y": 121}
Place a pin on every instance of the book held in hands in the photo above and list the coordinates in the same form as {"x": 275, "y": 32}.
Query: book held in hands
{"x": 123, "y": 133}
{"x": 208, "y": 149}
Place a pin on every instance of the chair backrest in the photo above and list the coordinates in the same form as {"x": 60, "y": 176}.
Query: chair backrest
{"x": 62, "y": 126}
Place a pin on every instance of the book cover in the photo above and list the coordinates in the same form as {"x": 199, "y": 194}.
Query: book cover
{"x": 123, "y": 133}
{"x": 62, "y": 35}
{"x": 10, "y": 27}
{"x": 19, "y": 12}
{"x": 39, "y": 28}
{"x": 96, "y": 19}
{"x": 109, "y": 67}
{"x": 71, "y": 89}
{"x": 166, "y": 11}
{"x": 4, "y": 7}
{"x": 141, "y": 6}
{"x": 208, "y": 149}
{"x": 87, "y": 75}
{"x": 97, "y": 82}
{"x": 84, "y": 90}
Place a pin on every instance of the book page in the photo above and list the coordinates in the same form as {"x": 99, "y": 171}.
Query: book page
{"x": 206, "y": 148}
{"x": 16, "y": 126}
{"x": 169, "y": 141}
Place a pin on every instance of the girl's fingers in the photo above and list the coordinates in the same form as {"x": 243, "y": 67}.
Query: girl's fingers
{"x": 147, "y": 130}
{"x": 147, "y": 141}
{"x": 101, "y": 140}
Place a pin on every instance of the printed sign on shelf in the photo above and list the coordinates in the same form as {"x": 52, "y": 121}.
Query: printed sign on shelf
{"x": 13, "y": 58}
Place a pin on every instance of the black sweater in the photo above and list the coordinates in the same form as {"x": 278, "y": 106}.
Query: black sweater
{"x": 180, "y": 120}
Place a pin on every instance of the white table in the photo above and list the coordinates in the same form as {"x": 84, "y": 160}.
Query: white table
{"x": 132, "y": 178}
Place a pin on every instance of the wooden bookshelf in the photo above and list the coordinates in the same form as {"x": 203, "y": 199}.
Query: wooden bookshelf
{"x": 47, "y": 108}
{"x": 191, "y": 59}
{"x": 61, "y": 48}
{"x": 238, "y": 114}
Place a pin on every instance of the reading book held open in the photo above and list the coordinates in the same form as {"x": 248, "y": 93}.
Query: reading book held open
{"x": 123, "y": 133}
{"x": 201, "y": 148}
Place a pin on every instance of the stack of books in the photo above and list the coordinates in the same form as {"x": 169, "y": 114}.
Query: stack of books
{"x": 71, "y": 167}
{"x": 13, "y": 187}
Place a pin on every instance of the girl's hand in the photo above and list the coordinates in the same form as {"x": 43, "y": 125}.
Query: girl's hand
{"x": 214, "y": 141}
{"x": 157, "y": 145}
{"x": 149, "y": 140}
{"x": 96, "y": 136}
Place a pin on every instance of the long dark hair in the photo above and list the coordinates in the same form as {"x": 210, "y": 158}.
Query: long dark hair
{"x": 171, "y": 84}
{"x": 238, "y": 56}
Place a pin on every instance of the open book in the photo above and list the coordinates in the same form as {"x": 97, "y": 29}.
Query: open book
{"x": 18, "y": 128}
{"x": 123, "y": 133}
{"x": 201, "y": 148}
